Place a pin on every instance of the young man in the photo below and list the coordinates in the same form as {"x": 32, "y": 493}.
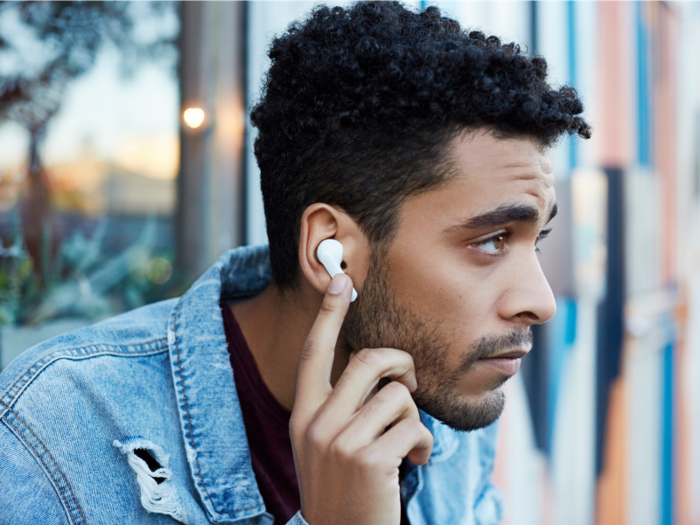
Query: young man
{"x": 420, "y": 148}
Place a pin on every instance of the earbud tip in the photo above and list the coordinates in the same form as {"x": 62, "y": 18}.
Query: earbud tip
{"x": 354, "y": 295}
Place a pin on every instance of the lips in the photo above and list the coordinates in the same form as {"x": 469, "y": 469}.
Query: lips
{"x": 513, "y": 354}
{"x": 507, "y": 363}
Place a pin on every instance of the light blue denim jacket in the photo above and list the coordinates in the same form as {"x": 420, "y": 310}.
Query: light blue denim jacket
{"x": 80, "y": 414}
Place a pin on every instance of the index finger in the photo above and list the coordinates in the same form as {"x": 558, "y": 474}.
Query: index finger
{"x": 316, "y": 362}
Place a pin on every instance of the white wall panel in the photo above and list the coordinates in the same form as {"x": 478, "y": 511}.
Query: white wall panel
{"x": 507, "y": 20}
{"x": 573, "y": 439}
{"x": 585, "y": 38}
{"x": 643, "y": 366}
{"x": 523, "y": 465}
{"x": 689, "y": 377}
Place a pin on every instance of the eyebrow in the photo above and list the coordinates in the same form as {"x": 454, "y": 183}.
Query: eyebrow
{"x": 508, "y": 213}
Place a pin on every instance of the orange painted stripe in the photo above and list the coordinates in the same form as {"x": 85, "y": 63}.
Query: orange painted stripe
{"x": 611, "y": 496}
{"x": 613, "y": 136}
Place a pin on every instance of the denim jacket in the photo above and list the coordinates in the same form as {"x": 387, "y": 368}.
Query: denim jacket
{"x": 136, "y": 420}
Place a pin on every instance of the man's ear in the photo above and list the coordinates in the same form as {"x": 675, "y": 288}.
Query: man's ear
{"x": 320, "y": 222}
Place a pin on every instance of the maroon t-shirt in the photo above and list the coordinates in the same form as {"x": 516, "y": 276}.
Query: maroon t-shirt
{"x": 267, "y": 428}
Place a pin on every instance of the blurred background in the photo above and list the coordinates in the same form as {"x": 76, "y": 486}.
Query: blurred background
{"x": 126, "y": 169}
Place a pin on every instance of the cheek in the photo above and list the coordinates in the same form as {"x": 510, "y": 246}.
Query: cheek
{"x": 446, "y": 290}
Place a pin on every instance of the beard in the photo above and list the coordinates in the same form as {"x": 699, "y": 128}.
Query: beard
{"x": 379, "y": 320}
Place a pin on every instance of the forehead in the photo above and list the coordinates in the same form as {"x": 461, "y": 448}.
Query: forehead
{"x": 484, "y": 173}
{"x": 492, "y": 170}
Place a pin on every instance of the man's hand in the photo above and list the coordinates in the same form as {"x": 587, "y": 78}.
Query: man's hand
{"x": 347, "y": 459}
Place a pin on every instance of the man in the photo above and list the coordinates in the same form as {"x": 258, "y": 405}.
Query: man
{"x": 422, "y": 149}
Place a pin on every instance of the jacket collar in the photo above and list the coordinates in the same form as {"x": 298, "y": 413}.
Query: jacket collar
{"x": 445, "y": 441}
{"x": 210, "y": 415}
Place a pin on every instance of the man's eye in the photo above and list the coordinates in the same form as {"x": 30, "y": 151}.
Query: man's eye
{"x": 543, "y": 235}
{"x": 492, "y": 244}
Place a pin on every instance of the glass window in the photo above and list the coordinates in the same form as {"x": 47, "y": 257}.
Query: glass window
{"x": 89, "y": 155}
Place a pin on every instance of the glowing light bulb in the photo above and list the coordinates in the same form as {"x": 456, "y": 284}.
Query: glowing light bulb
{"x": 193, "y": 117}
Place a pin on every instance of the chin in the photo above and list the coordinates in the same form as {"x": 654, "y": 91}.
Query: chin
{"x": 463, "y": 413}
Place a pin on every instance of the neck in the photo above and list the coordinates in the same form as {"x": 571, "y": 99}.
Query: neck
{"x": 275, "y": 326}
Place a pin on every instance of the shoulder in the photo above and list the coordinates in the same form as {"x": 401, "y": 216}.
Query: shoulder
{"x": 134, "y": 333}
{"x": 95, "y": 361}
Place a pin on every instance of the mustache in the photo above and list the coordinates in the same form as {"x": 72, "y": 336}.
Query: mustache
{"x": 493, "y": 345}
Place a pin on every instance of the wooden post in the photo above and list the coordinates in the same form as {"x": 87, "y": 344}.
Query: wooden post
{"x": 210, "y": 186}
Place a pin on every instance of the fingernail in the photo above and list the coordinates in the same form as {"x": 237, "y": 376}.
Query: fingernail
{"x": 337, "y": 284}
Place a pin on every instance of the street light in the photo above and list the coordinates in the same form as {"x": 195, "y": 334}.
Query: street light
{"x": 193, "y": 117}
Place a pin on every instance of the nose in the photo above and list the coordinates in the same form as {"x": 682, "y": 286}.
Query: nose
{"x": 527, "y": 298}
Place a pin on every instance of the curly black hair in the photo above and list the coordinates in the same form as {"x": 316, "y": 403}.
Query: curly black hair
{"x": 359, "y": 105}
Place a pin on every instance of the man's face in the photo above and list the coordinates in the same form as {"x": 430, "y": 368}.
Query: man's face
{"x": 461, "y": 284}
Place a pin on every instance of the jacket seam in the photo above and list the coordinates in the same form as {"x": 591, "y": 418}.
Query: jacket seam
{"x": 189, "y": 419}
{"x": 37, "y": 456}
{"x": 35, "y": 368}
{"x": 187, "y": 406}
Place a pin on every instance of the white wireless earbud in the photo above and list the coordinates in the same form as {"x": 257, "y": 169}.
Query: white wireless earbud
{"x": 330, "y": 253}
